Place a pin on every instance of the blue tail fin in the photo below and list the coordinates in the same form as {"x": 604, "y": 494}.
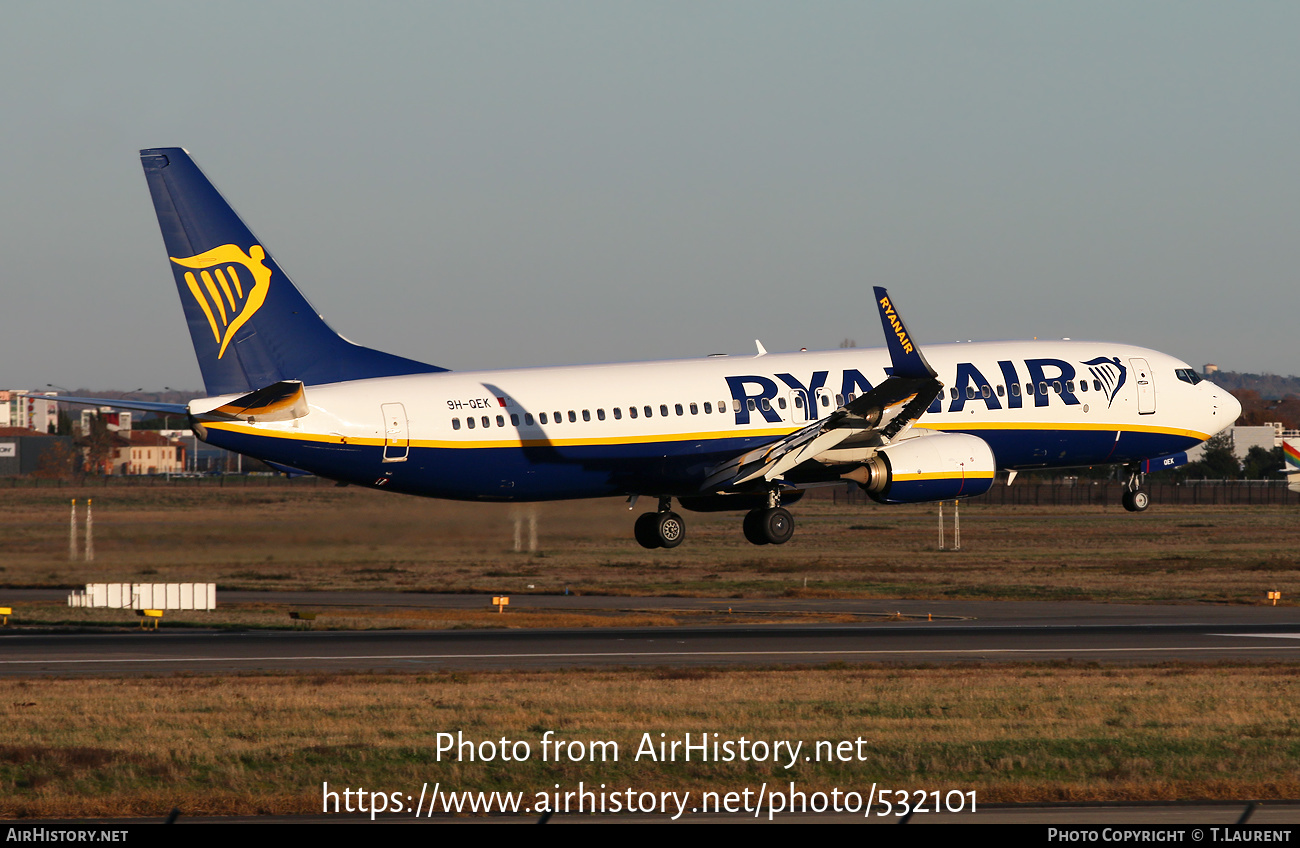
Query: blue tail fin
{"x": 250, "y": 325}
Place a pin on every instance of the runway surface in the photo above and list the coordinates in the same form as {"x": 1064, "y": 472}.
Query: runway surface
{"x": 963, "y": 631}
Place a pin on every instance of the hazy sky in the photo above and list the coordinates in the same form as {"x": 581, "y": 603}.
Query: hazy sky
{"x": 495, "y": 184}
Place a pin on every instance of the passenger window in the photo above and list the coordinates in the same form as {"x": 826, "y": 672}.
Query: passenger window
{"x": 708, "y": 408}
{"x": 970, "y": 392}
{"x": 600, "y": 414}
{"x": 678, "y": 408}
{"x": 1096, "y": 385}
{"x": 1083, "y": 385}
{"x": 1001, "y": 391}
{"x": 487, "y": 422}
{"x": 649, "y": 412}
{"x": 586, "y": 415}
{"x": 750, "y": 403}
{"x": 631, "y": 410}
{"x": 663, "y": 410}
{"x": 1056, "y": 386}
{"x": 455, "y": 423}
{"x": 695, "y": 409}
{"x": 618, "y": 413}
{"x": 501, "y": 421}
{"x": 542, "y": 417}
{"x": 839, "y": 400}
{"x": 1042, "y": 388}
{"x": 722, "y": 406}
{"x": 1015, "y": 390}
{"x": 954, "y": 394}
{"x": 558, "y": 417}
{"x": 735, "y": 404}
{"x": 826, "y": 400}
{"x": 573, "y": 417}
{"x": 528, "y": 419}
{"x": 798, "y": 401}
{"x": 767, "y": 406}
{"x": 1069, "y": 385}
{"x": 986, "y": 391}
{"x": 1029, "y": 388}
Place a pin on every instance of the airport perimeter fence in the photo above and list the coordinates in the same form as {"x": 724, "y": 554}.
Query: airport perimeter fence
{"x": 1107, "y": 493}
{"x": 121, "y": 481}
{"x": 1068, "y": 492}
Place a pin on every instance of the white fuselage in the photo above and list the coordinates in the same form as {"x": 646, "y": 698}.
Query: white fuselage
{"x": 656, "y": 427}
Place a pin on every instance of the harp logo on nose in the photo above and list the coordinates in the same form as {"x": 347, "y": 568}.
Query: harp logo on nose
{"x": 229, "y": 287}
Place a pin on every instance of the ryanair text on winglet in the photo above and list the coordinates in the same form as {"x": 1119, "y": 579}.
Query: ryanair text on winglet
{"x": 899, "y": 330}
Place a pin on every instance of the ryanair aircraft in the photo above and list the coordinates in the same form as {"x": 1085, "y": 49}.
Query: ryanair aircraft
{"x": 722, "y": 433}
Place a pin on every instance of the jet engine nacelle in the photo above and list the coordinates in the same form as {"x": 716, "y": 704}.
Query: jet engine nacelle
{"x": 928, "y": 468}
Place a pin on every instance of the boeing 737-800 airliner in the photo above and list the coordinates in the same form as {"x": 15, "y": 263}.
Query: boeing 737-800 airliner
{"x": 724, "y": 432}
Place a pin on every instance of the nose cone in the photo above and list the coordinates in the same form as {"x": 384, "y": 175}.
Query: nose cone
{"x": 1223, "y": 412}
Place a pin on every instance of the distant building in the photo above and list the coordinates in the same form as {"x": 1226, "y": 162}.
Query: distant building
{"x": 29, "y": 410}
{"x": 145, "y": 452}
{"x": 1267, "y": 436}
{"x": 26, "y": 451}
{"x": 1209, "y": 369}
{"x": 1245, "y": 438}
{"x": 117, "y": 420}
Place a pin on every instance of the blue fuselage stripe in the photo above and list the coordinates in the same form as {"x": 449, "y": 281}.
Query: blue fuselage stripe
{"x": 600, "y": 470}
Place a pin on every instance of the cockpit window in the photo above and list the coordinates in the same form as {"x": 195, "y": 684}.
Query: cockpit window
{"x": 1187, "y": 375}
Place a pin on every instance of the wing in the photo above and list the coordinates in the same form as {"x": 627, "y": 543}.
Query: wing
{"x": 121, "y": 403}
{"x": 877, "y": 417}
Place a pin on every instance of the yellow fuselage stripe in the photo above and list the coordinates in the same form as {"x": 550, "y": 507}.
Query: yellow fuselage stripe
{"x": 239, "y": 427}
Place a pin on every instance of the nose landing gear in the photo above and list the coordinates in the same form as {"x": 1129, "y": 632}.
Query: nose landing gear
{"x": 1135, "y": 500}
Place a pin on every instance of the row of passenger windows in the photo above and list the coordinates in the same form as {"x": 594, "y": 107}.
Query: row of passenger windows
{"x": 824, "y": 399}
{"x": 1043, "y": 388}
{"x": 664, "y": 411}
{"x": 559, "y": 417}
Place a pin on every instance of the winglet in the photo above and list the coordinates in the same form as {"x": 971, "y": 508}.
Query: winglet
{"x": 907, "y": 357}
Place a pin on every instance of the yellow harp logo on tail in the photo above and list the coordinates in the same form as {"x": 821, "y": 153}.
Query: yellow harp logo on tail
{"x": 230, "y": 286}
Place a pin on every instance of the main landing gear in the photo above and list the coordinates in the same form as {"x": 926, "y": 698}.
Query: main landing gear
{"x": 662, "y": 529}
{"x": 770, "y": 525}
{"x": 773, "y": 525}
{"x": 1135, "y": 500}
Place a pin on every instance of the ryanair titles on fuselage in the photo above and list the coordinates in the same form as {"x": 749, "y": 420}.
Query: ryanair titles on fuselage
{"x": 1047, "y": 378}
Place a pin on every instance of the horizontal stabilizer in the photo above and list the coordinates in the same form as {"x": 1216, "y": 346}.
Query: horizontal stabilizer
{"x": 122, "y": 403}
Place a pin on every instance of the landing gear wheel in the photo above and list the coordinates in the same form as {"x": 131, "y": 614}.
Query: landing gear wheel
{"x": 1136, "y": 501}
{"x": 647, "y": 530}
{"x": 778, "y": 525}
{"x": 754, "y": 527}
{"x": 670, "y": 529}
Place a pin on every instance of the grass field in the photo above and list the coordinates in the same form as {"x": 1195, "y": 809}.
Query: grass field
{"x": 251, "y": 744}
{"x": 260, "y": 744}
{"x": 289, "y": 537}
